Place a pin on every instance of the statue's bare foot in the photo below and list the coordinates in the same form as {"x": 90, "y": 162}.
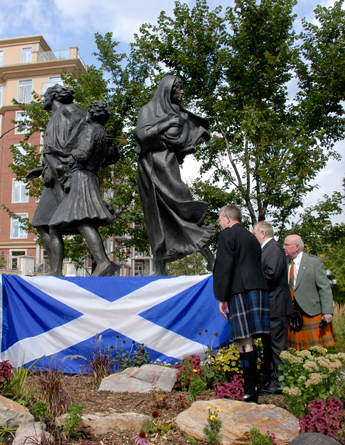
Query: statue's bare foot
{"x": 55, "y": 273}
{"x": 106, "y": 269}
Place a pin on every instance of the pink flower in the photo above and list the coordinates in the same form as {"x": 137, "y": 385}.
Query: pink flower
{"x": 140, "y": 439}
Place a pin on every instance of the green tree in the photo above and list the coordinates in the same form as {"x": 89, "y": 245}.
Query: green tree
{"x": 119, "y": 179}
{"x": 237, "y": 64}
{"x": 236, "y": 68}
{"x": 193, "y": 264}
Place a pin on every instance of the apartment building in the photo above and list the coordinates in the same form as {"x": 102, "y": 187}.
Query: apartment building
{"x": 27, "y": 64}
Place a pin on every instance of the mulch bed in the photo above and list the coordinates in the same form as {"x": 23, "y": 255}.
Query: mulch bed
{"x": 81, "y": 390}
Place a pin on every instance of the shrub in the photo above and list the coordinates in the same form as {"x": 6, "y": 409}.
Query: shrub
{"x": 135, "y": 357}
{"x": 323, "y": 417}
{"x": 213, "y": 427}
{"x": 5, "y": 372}
{"x": 188, "y": 368}
{"x": 56, "y": 399}
{"x": 309, "y": 375}
{"x": 232, "y": 390}
{"x": 255, "y": 437}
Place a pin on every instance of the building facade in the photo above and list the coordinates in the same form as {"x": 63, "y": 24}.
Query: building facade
{"x": 27, "y": 64}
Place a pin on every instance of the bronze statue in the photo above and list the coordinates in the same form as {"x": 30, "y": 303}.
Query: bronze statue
{"x": 83, "y": 207}
{"x": 166, "y": 133}
{"x": 74, "y": 150}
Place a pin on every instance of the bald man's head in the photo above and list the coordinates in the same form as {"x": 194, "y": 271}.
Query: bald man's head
{"x": 293, "y": 245}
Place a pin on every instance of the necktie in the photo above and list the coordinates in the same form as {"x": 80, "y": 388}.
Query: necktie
{"x": 292, "y": 279}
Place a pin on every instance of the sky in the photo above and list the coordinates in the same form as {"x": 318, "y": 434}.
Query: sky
{"x": 66, "y": 23}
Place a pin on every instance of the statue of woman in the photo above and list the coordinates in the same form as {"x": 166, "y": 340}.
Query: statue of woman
{"x": 83, "y": 207}
{"x": 166, "y": 133}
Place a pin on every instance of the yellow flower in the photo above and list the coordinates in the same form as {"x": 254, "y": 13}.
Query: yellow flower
{"x": 218, "y": 410}
{"x": 209, "y": 408}
{"x": 213, "y": 417}
{"x": 195, "y": 370}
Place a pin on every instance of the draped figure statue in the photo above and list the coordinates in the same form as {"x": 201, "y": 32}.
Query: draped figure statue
{"x": 166, "y": 133}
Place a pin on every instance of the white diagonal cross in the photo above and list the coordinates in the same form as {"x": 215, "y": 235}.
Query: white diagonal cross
{"x": 100, "y": 314}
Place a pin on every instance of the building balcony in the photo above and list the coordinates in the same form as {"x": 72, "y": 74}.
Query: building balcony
{"x": 45, "y": 63}
{"x": 47, "y": 56}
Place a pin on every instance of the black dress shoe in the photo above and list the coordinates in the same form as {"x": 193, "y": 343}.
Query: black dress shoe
{"x": 265, "y": 385}
{"x": 271, "y": 390}
{"x": 250, "y": 398}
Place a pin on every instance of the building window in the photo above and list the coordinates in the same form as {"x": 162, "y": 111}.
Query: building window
{"x": 138, "y": 268}
{"x": 1, "y": 58}
{"x": 108, "y": 194}
{"x": 20, "y": 193}
{"x": 110, "y": 246}
{"x": 14, "y": 260}
{"x": 0, "y": 95}
{"x": 26, "y": 55}
{"x": 52, "y": 81}
{"x": 20, "y": 117}
{"x": 56, "y": 80}
{"x": 16, "y": 230}
{"x": 25, "y": 90}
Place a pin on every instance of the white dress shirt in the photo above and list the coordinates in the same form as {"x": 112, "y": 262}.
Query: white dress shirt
{"x": 265, "y": 242}
{"x": 297, "y": 263}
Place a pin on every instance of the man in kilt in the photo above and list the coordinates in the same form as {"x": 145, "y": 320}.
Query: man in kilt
{"x": 240, "y": 287}
{"x": 312, "y": 296}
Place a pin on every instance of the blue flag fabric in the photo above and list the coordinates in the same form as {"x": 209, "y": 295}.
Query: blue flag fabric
{"x": 61, "y": 319}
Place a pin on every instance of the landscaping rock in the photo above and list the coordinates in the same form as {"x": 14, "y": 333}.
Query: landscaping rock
{"x": 32, "y": 433}
{"x": 11, "y": 413}
{"x": 239, "y": 418}
{"x": 143, "y": 379}
{"x": 314, "y": 439}
{"x": 103, "y": 423}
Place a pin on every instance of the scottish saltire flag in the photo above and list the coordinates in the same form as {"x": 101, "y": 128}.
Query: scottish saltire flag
{"x": 59, "y": 318}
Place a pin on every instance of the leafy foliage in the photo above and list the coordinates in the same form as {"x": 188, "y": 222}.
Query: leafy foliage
{"x": 324, "y": 417}
{"x": 233, "y": 390}
{"x": 237, "y": 64}
{"x": 309, "y": 375}
{"x": 236, "y": 67}
{"x": 212, "y": 429}
{"x": 193, "y": 264}
{"x": 255, "y": 437}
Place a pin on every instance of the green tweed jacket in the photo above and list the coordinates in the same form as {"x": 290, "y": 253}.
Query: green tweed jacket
{"x": 313, "y": 291}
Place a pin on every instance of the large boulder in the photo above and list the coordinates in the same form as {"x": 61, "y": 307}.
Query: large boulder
{"x": 103, "y": 423}
{"x": 11, "y": 413}
{"x": 33, "y": 433}
{"x": 314, "y": 439}
{"x": 143, "y": 379}
{"x": 238, "y": 418}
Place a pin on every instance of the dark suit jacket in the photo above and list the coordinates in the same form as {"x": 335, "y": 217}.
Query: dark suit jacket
{"x": 238, "y": 263}
{"x": 273, "y": 262}
{"x": 313, "y": 291}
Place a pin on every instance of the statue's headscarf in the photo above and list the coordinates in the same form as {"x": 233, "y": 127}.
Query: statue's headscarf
{"x": 158, "y": 110}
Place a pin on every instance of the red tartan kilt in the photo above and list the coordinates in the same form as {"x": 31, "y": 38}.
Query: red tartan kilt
{"x": 311, "y": 335}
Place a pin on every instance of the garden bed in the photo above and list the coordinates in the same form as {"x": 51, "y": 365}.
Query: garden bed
{"x": 81, "y": 390}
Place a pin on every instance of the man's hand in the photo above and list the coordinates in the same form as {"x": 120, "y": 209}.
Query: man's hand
{"x": 327, "y": 317}
{"x": 223, "y": 308}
